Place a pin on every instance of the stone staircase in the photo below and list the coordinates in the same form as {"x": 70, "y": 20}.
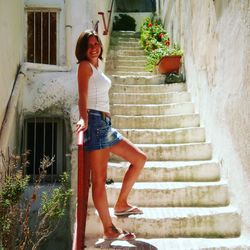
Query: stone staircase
{"x": 185, "y": 202}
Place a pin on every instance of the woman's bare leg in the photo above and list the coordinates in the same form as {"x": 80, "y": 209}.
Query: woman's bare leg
{"x": 98, "y": 160}
{"x": 137, "y": 158}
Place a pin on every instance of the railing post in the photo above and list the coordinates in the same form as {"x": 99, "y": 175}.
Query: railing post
{"x": 82, "y": 196}
{"x": 106, "y": 28}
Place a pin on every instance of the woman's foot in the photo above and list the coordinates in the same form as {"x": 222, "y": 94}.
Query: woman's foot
{"x": 126, "y": 209}
{"x": 113, "y": 233}
{"x": 129, "y": 211}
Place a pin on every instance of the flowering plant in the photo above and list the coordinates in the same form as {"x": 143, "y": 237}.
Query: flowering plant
{"x": 155, "y": 41}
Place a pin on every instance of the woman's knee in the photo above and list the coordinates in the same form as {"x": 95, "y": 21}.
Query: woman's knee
{"x": 140, "y": 160}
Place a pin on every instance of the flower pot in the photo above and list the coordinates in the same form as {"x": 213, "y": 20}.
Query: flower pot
{"x": 169, "y": 64}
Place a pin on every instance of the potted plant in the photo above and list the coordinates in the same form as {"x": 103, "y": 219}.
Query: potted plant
{"x": 156, "y": 43}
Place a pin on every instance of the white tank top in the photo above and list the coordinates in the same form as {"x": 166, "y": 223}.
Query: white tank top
{"x": 98, "y": 91}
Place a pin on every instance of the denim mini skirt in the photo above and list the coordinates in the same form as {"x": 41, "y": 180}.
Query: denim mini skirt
{"x": 100, "y": 133}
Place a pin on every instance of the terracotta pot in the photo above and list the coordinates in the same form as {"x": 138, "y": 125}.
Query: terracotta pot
{"x": 169, "y": 64}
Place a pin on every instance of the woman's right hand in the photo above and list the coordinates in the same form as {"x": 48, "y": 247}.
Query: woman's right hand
{"x": 81, "y": 125}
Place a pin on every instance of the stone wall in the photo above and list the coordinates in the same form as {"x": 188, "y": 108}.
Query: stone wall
{"x": 215, "y": 36}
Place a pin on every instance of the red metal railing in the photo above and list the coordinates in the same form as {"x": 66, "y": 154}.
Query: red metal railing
{"x": 82, "y": 197}
{"x": 106, "y": 27}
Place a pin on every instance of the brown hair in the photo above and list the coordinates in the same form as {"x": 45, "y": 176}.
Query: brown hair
{"x": 82, "y": 45}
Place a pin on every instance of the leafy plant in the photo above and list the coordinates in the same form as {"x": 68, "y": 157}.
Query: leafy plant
{"x": 27, "y": 233}
{"x": 124, "y": 22}
{"x": 156, "y": 43}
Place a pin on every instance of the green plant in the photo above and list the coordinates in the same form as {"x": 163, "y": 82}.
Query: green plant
{"x": 12, "y": 186}
{"x": 28, "y": 233}
{"x": 156, "y": 43}
{"x": 124, "y": 22}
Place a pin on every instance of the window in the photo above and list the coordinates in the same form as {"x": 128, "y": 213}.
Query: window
{"x": 42, "y": 35}
{"x": 45, "y": 137}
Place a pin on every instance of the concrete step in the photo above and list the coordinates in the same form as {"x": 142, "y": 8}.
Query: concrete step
{"x": 126, "y": 46}
{"x": 156, "y": 88}
{"x": 125, "y": 34}
{"x": 153, "y": 109}
{"x": 219, "y": 222}
{"x": 126, "y": 73}
{"x": 175, "y": 152}
{"x": 156, "y": 122}
{"x": 126, "y": 52}
{"x": 134, "y": 59}
{"x": 237, "y": 243}
{"x": 126, "y": 43}
{"x": 112, "y": 63}
{"x": 132, "y": 68}
{"x": 165, "y": 136}
{"x": 120, "y": 39}
{"x": 150, "y": 98}
{"x": 172, "y": 194}
{"x": 123, "y": 44}
{"x": 137, "y": 80}
{"x": 169, "y": 171}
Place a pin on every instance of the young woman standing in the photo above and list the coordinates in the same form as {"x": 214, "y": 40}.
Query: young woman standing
{"x": 100, "y": 139}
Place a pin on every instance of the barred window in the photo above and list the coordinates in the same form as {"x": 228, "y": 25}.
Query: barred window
{"x": 45, "y": 137}
{"x": 42, "y": 36}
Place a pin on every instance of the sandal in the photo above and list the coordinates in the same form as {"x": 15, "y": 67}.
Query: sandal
{"x": 126, "y": 236}
{"x": 132, "y": 210}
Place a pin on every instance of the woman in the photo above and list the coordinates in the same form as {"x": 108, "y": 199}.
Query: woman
{"x": 100, "y": 139}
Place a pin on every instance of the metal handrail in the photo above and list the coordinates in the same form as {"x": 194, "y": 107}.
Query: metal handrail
{"x": 106, "y": 27}
{"x": 83, "y": 181}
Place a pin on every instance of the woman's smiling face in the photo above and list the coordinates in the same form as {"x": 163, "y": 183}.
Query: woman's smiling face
{"x": 94, "y": 48}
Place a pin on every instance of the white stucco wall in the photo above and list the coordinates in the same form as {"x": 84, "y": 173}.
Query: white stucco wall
{"x": 11, "y": 45}
{"x": 215, "y": 36}
{"x": 53, "y": 90}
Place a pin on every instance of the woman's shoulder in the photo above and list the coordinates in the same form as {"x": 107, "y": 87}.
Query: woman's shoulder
{"x": 85, "y": 66}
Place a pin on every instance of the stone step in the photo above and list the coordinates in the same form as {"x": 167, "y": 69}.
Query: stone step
{"x": 126, "y": 46}
{"x": 112, "y": 63}
{"x": 165, "y": 136}
{"x": 153, "y": 109}
{"x": 120, "y": 39}
{"x": 237, "y": 243}
{"x": 175, "y": 152}
{"x": 126, "y": 52}
{"x": 219, "y": 222}
{"x": 156, "y": 88}
{"x": 126, "y": 73}
{"x": 156, "y": 122}
{"x": 169, "y": 171}
{"x": 172, "y": 194}
{"x": 137, "y": 80}
{"x": 126, "y": 43}
{"x": 134, "y": 59}
{"x": 132, "y": 68}
{"x": 150, "y": 98}
{"x": 125, "y": 34}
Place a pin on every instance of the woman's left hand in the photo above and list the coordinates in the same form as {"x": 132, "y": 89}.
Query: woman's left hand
{"x": 81, "y": 126}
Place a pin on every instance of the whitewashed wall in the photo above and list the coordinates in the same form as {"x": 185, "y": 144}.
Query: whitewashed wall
{"x": 215, "y": 36}
{"x": 11, "y": 45}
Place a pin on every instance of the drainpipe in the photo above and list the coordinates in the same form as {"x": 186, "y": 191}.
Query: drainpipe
{"x": 11, "y": 112}
{"x": 157, "y": 7}
{"x": 68, "y": 33}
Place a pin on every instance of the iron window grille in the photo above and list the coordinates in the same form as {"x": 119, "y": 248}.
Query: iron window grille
{"x": 42, "y": 35}
{"x": 45, "y": 137}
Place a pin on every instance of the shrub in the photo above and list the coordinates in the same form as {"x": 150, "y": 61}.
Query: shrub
{"x": 124, "y": 22}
